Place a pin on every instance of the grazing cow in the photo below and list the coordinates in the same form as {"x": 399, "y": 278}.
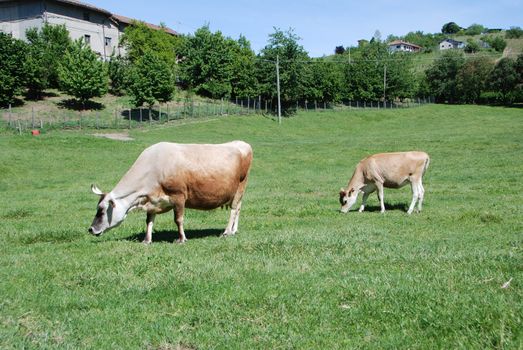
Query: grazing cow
{"x": 391, "y": 170}
{"x": 177, "y": 176}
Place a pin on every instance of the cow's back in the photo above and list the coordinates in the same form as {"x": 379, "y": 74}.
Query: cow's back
{"x": 393, "y": 169}
{"x": 207, "y": 175}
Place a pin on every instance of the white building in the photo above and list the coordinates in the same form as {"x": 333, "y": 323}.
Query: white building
{"x": 98, "y": 27}
{"x": 451, "y": 44}
{"x": 403, "y": 46}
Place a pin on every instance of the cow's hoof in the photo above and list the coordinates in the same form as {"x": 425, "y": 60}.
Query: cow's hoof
{"x": 227, "y": 234}
{"x": 181, "y": 241}
{"x": 146, "y": 242}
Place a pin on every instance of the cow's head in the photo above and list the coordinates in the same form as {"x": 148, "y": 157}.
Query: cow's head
{"x": 109, "y": 213}
{"x": 347, "y": 199}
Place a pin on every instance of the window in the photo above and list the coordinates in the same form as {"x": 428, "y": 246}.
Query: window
{"x": 107, "y": 41}
{"x": 87, "y": 39}
{"x": 86, "y": 16}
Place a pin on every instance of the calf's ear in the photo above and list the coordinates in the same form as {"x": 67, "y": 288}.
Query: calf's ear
{"x": 112, "y": 203}
{"x": 96, "y": 190}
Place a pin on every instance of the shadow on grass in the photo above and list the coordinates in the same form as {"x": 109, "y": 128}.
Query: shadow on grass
{"x": 374, "y": 208}
{"x": 171, "y": 236}
{"x": 143, "y": 115}
{"x": 77, "y": 105}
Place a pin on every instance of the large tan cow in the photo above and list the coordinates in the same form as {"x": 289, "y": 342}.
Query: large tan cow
{"x": 177, "y": 176}
{"x": 391, "y": 170}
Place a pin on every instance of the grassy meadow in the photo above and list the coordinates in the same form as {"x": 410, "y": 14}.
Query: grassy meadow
{"x": 298, "y": 274}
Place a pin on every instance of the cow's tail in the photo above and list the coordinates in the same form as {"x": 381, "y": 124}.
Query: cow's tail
{"x": 426, "y": 166}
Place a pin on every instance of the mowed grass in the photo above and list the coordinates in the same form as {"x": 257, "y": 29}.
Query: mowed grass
{"x": 298, "y": 274}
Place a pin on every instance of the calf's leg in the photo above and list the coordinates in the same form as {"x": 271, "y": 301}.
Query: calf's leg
{"x": 364, "y": 201}
{"x": 414, "y": 185}
{"x": 421, "y": 195}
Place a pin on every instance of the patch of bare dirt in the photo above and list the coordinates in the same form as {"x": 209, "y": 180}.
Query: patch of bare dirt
{"x": 116, "y": 136}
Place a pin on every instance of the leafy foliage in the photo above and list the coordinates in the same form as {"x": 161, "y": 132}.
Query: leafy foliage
{"x": 504, "y": 80}
{"x": 450, "y": 28}
{"x": 441, "y": 76}
{"x": 471, "y": 79}
{"x": 292, "y": 57}
{"x": 151, "y": 79}
{"x": 12, "y": 73}
{"x": 207, "y": 64}
{"x": 339, "y": 50}
{"x": 48, "y": 47}
{"x": 138, "y": 39}
{"x": 81, "y": 74}
{"x": 118, "y": 68}
{"x": 514, "y": 33}
{"x": 475, "y": 29}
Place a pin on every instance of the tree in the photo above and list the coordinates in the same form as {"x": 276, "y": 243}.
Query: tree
{"x": 339, "y": 50}
{"x": 325, "y": 80}
{"x": 48, "y": 46}
{"x": 138, "y": 38}
{"x": 207, "y": 65}
{"x": 498, "y": 43}
{"x": 284, "y": 46}
{"x": 472, "y": 46}
{"x": 243, "y": 80}
{"x": 151, "y": 79}
{"x": 365, "y": 77}
{"x": 81, "y": 74}
{"x": 12, "y": 74}
{"x": 118, "y": 68}
{"x": 471, "y": 79}
{"x": 475, "y": 29}
{"x": 504, "y": 80}
{"x": 450, "y": 28}
{"x": 514, "y": 33}
{"x": 441, "y": 76}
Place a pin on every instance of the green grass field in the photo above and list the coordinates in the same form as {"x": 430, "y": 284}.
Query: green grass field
{"x": 298, "y": 274}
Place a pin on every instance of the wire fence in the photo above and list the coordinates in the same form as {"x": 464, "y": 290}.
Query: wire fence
{"x": 132, "y": 117}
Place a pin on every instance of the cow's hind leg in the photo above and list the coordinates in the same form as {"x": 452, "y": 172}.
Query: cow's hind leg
{"x": 179, "y": 208}
{"x": 414, "y": 185}
{"x": 234, "y": 217}
{"x": 149, "y": 229}
{"x": 421, "y": 195}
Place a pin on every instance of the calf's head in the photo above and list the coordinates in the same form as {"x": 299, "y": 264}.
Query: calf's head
{"x": 109, "y": 213}
{"x": 347, "y": 199}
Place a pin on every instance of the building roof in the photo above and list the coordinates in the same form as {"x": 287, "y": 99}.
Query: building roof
{"x": 399, "y": 42}
{"x": 85, "y": 5}
{"x": 452, "y": 41}
{"x": 128, "y": 21}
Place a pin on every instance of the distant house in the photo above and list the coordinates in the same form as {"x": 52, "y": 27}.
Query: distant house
{"x": 451, "y": 44}
{"x": 403, "y": 46}
{"x": 99, "y": 28}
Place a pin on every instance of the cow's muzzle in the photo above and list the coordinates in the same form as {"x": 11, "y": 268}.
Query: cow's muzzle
{"x": 92, "y": 231}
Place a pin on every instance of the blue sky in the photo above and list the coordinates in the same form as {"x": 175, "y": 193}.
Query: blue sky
{"x": 322, "y": 25}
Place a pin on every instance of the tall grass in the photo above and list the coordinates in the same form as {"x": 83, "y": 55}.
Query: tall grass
{"x": 298, "y": 274}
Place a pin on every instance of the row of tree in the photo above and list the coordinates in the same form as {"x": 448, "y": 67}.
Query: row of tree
{"x": 215, "y": 66}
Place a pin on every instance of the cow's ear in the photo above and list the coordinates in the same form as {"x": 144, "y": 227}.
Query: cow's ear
{"x": 96, "y": 190}
{"x": 342, "y": 190}
{"x": 112, "y": 203}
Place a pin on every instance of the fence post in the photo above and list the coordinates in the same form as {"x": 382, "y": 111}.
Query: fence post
{"x": 150, "y": 116}
{"x": 80, "y": 120}
{"x": 160, "y": 115}
{"x": 9, "y": 115}
{"x": 32, "y": 117}
{"x": 141, "y": 115}
{"x": 19, "y": 127}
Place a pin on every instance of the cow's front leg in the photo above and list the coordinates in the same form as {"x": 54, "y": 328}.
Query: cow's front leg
{"x": 380, "y": 196}
{"x": 364, "y": 201}
{"x": 149, "y": 228}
